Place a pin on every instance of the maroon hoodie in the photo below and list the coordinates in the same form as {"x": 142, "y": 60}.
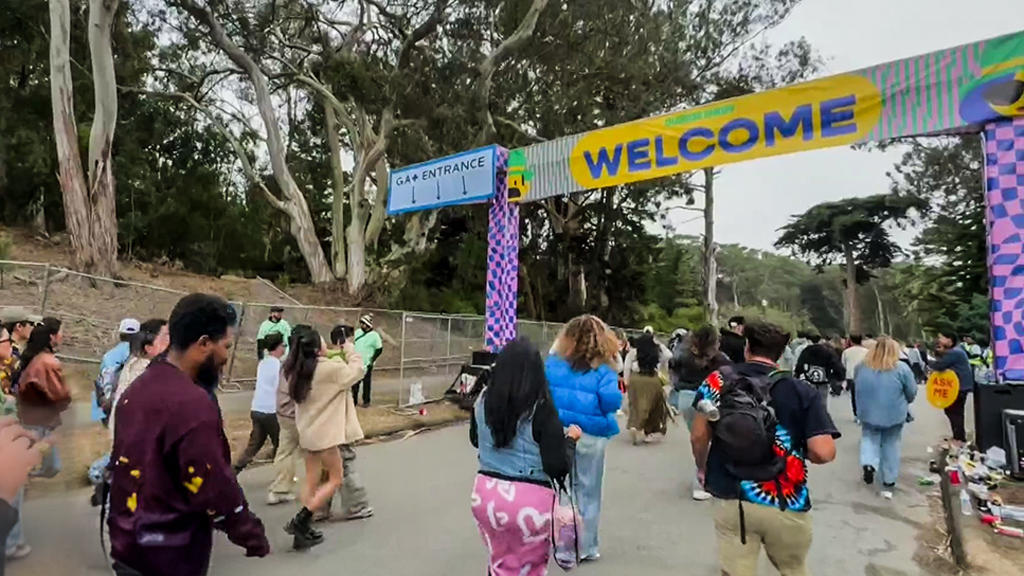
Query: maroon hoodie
{"x": 171, "y": 481}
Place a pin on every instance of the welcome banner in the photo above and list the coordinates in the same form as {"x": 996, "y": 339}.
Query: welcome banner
{"x": 952, "y": 90}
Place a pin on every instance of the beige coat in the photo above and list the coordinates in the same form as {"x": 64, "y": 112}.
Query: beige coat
{"x": 131, "y": 370}
{"x": 327, "y": 418}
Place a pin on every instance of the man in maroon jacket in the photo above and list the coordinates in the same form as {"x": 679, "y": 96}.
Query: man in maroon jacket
{"x": 171, "y": 476}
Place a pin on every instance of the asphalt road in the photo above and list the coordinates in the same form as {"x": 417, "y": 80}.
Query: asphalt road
{"x": 420, "y": 489}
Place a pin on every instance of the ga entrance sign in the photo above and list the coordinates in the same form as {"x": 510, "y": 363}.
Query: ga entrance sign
{"x": 463, "y": 178}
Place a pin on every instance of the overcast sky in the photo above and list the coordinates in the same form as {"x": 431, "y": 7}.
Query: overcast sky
{"x": 755, "y": 198}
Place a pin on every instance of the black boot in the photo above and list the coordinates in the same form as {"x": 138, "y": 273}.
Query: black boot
{"x": 302, "y": 529}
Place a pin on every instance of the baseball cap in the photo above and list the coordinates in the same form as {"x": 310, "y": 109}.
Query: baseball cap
{"x": 367, "y": 320}
{"x": 648, "y": 329}
{"x": 277, "y": 308}
{"x": 129, "y": 326}
{"x": 16, "y": 314}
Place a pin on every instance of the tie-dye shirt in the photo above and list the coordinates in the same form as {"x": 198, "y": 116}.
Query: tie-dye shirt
{"x": 801, "y": 415}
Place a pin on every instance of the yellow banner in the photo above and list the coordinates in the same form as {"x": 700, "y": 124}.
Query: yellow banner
{"x": 833, "y": 111}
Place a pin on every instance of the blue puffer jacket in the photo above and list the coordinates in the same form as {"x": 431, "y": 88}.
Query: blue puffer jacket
{"x": 586, "y": 399}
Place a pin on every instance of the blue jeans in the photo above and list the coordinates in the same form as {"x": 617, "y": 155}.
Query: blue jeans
{"x": 880, "y": 449}
{"x": 683, "y": 401}
{"x": 17, "y": 536}
{"x": 51, "y": 465}
{"x": 588, "y": 485}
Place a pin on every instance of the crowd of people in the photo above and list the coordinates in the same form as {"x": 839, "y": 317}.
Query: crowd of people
{"x": 754, "y": 402}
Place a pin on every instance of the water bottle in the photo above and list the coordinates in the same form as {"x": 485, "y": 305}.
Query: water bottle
{"x": 708, "y": 408}
{"x": 965, "y": 503}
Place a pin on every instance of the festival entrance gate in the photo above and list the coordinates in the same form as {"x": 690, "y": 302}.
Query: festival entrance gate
{"x": 976, "y": 87}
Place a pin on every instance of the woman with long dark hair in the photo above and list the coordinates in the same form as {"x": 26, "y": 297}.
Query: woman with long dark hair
{"x": 42, "y": 391}
{"x": 648, "y": 412}
{"x": 523, "y": 451}
{"x": 585, "y": 389}
{"x": 325, "y": 416}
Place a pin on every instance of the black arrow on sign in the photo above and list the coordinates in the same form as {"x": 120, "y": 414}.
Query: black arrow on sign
{"x": 413, "y": 194}
{"x": 438, "y": 182}
{"x": 464, "y": 191}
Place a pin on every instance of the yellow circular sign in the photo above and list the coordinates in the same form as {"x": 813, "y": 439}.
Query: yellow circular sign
{"x": 943, "y": 388}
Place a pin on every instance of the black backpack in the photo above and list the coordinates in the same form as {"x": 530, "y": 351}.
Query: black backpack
{"x": 745, "y": 430}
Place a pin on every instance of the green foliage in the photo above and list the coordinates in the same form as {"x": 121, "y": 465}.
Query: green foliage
{"x": 827, "y": 231}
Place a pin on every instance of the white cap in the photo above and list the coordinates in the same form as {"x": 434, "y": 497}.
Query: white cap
{"x": 648, "y": 330}
{"x": 129, "y": 326}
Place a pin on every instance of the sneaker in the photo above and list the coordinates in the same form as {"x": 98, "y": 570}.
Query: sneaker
{"x": 275, "y": 498}
{"x": 18, "y": 552}
{"x": 887, "y": 494}
{"x": 869, "y": 475}
{"x": 591, "y": 557}
{"x": 360, "y": 514}
{"x": 636, "y": 436}
{"x": 701, "y": 495}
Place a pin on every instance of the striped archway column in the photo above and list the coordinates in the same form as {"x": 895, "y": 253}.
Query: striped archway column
{"x": 502, "y": 262}
{"x": 1004, "y": 197}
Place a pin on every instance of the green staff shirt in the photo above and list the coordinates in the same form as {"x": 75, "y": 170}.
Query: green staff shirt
{"x": 367, "y": 344}
{"x": 270, "y": 327}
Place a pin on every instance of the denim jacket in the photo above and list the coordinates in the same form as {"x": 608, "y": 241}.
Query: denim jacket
{"x": 519, "y": 460}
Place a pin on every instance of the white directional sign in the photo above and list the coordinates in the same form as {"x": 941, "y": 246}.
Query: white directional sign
{"x": 465, "y": 178}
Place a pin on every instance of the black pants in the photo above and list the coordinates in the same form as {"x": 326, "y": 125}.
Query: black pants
{"x": 122, "y": 570}
{"x": 263, "y": 426}
{"x": 955, "y": 413}
{"x": 853, "y": 395}
{"x": 366, "y": 382}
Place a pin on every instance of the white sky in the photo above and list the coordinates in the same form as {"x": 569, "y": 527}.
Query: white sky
{"x": 754, "y": 199}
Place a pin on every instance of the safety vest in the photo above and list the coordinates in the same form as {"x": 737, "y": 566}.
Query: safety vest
{"x": 974, "y": 358}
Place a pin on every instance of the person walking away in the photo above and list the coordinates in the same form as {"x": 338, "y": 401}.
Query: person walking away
{"x": 585, "y": 392}
{"x": 523, "y": 454}
{"x": 757, "y": 468}
{"x": 326, "y": 420}
{"x": 885, "y": 389}
{"x": 286, "y": 459}
{"x": 369, "y": 346}
{"x": 852, "y": 357}
{"x": 111, "y": 363}
{"x": 171, "y": 482}
{"x": 43, "y": 393}
{"x": 623, "y": 368}
{"x": 274, "y": 324}
{"x": 953, "y": 357}
{"x": 263, "y": 410}
{"x": 152, "y": 340}
{"x": 733, "y": 343}
{"x": 819, "y": 366}
{"x": 648, "y": 413}
{"x": 917, "y": 364}
{"x": 15, "y": 547}
{"x": 699, "y": 357}
{"x": 18, "y": 455}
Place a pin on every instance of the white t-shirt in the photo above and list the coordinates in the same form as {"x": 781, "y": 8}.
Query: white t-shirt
{"x": 268, "y": 374}
{"x": 852, "y": 357}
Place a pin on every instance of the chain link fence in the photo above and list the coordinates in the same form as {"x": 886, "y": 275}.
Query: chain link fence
{"x": 422, "y": 351}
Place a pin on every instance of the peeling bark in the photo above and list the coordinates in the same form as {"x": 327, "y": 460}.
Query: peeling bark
{"x": 338, "y": 200}
{"x": 293, "y": 202}
{"x": 89, "y": 212}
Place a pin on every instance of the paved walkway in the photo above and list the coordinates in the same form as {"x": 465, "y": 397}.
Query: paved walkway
{"x": 420, "y": 488}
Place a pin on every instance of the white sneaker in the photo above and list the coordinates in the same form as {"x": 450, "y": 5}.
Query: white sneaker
{"x": 887, "y": 494}
{"x": 701, "y": 495}
{"x": 275, "y": 498}
{"x": 636, "y": 435}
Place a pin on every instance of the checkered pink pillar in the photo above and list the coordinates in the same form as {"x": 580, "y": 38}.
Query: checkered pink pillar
{"x": 1004, "y": 194}
{"x": 502, "y": 263}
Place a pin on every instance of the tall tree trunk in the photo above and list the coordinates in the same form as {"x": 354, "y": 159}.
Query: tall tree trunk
{"x": 102, "y": 190}
{"x": 851, "y": 290}
{"x": 292, "y": 203}
{"x": 77, "y": 204}
{"x": 710, "y": 250}
{"x": 338, "y": 255}
{"x": 881, "y": 310}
